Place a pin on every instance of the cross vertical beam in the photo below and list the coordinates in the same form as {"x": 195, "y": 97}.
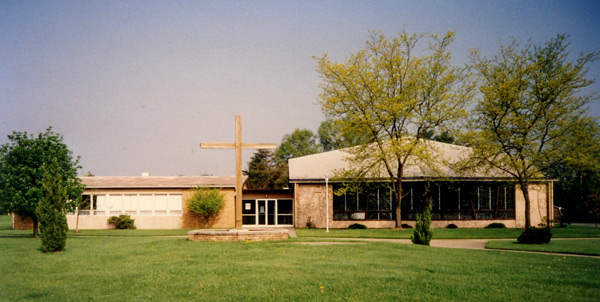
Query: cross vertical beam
{"x": 238, "y": 146}
{"x": 238, "y": 171}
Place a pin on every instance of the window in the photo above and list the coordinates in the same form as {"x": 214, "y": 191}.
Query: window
{"x": 372, "y": 201}
{"x": 132, "y": 204}
{"x": 460, "y": 200}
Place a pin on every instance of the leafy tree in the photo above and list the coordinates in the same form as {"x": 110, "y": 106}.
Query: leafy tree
{"x": 578, "y": 173}
{"x": 531, "y": 97}
{"x": 396, "y": 97}
{"x": 21, "y": 172}
{"x": 331, "y": 138}
{"x": 206, "y": 203}
{"x": 51, "y": 211}
{"x": 444, "y": 137}
{"x": 300, "y": 143}
{"x": 266, "y": 172}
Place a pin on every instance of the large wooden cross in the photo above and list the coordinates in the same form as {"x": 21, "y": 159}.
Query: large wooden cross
{"x": 238, "y": 146}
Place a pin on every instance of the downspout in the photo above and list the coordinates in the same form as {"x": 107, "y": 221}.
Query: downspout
{"x": 327, "y": 201}
{"x": 550, "y": 203}
{"x": 295, "y": 205}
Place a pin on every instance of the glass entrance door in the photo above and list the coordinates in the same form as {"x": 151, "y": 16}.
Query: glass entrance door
{"x": 267, "y": 212}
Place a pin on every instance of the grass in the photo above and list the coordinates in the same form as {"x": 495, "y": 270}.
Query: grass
{"x": 6, "y": 231}
{"x": 579, "y": 246}
{"x": 132, "y": 265}
{"x": 568, "y": 232}
{"x": 150, "y": 268}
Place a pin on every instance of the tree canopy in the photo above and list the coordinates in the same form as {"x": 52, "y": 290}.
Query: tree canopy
{"x": 395, "y": 96}
{"x": 299, "y": 143}
{"x": 331, "y": 138}
{"x": 531, "y": 100}
{"x": 21, "y": 172}
{"x": 265, "y": 171}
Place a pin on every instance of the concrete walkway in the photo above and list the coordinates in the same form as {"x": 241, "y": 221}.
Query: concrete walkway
{"x": 470, "y": 244}
{"x": 474, "y": 244}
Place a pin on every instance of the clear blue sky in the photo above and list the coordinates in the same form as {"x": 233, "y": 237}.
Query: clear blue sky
{"x": 135, "y": 86}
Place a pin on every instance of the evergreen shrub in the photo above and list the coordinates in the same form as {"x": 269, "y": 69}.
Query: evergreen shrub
{"x": 423, "y": 232}
{"x": 50, "y": 210}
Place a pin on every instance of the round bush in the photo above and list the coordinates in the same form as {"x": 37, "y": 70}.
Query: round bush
{"x": 452, "y": 226}
{"x": 534, "y": 235}
{"x": 357, "y": 226}
{"x": 496, "y": 225}
{"x": 122, "y": 222}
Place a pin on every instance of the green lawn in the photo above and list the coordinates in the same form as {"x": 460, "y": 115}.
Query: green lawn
{"x": 568, "y": 232}
{"x": 163, "y": 269}
{"x": 567, "y": 246}
{"x": 132, "y": 265}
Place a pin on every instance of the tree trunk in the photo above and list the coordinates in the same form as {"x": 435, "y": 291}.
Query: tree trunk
{"x": 77, "y": 220}
{"x": 35, "y": 226}
{"x": 525, "y": 191}
{"x": 398, "y": 191}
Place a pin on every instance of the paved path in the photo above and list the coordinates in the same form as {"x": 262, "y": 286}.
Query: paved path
{"x": 472, "y": 244}
{"x": 477, "y": 244}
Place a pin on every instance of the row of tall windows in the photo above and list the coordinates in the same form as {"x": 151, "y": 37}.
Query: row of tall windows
{"x": 450, "y": 201}
{"x": 132, "y": 204}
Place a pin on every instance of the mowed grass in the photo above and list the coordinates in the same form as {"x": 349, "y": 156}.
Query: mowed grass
{"x": 567, "y": 246}
{"x": 567, "y": 232}
{"x": 174, "y": 269}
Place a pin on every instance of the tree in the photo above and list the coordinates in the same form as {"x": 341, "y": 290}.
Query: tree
{"x": 332, "y": 139}
{"x": 51, "y": 211}
{"x": 21, "y": 172}
{"x": 300, "y": 143}
{"x": 578, "y": 173}
{"x": 206, "y": 203}
{"x": 531, "y": 97}
{"x": 396, "y": 97}
{"x": 266, "y": 172}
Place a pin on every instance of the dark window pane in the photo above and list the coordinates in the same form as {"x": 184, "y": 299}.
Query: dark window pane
{"x": 340, "y": 216}
{"x": 284, "y": 219}
{"x": 373, "y": 200}
{"x": 385, "y": 216}
{"x": 373, "y": 215}
{"x": 339, "y": 202}
{"x": 248, "y": 207}
{"x": 285, "y": 206}
{"x": 248, "y": 220}
{"x": 385, "y": 198}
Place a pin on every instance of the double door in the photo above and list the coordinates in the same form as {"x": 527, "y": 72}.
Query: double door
{"x": 267, "y": 212}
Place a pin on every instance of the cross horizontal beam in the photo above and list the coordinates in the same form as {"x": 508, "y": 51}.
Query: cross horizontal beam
{"x": 232, "y": 146}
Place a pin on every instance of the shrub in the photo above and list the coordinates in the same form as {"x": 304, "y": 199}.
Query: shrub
{"x": 423, "y": 232}
{"x": 533, "y": 235}
{"x": 452, "y": 226}
{"x": 122, "y": 222}
{"x": 406, "y": 226}
{"x": 50, "y": 210}
{"x": 357, "y": 226}
{"x": 206, "y": 203}
{"x": 310, "y": 224}
{"x": 496, "y": 225}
